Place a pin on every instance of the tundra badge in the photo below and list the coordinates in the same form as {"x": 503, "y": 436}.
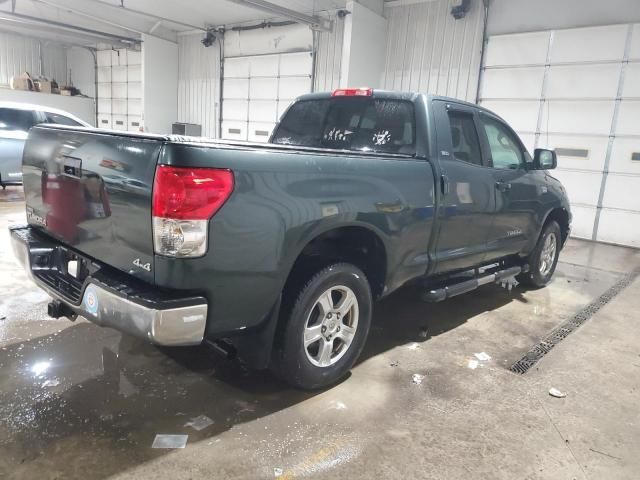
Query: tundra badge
{"x": 144, "y": 266}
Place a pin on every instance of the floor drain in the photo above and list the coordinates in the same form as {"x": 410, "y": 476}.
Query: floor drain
{"x": 561, "y": 332}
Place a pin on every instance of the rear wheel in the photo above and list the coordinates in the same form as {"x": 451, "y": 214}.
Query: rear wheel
{"x": 325, "y": 328}
{"x": 544, "y": 258}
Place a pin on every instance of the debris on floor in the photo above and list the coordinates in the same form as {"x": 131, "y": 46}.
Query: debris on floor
{"x": 554, "y": 392}
{"x": 482, "y": 356}
{"x": 395, "y": 363}
{"x": 417, "y": 378}
{"x": 473, "y": 364}
{"x": 413, "y": 346}
{"x": 199, "y": 423}
{"x": 51, "y": 383}
{"x": 170, "y": 441}
{"x": 277, "y": 472}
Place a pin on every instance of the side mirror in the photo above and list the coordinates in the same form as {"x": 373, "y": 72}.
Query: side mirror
{"x": 544, "y": 159}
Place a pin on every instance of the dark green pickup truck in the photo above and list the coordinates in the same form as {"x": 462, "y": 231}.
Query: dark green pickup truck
{"x": 277, "y": 251}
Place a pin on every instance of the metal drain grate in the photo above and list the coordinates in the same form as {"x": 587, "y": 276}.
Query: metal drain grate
{"x": 560, "y": 333}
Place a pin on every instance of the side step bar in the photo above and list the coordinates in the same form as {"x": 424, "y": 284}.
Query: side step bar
{"x": 442, "y": 293}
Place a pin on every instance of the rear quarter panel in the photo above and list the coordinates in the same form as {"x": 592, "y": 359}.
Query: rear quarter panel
{"x": 282, "y": 201}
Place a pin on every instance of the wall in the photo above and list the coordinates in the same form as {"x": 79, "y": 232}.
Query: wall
{"x": 199, "y": 83}
{"x": 512, "y": 16}
{"x": 81, "y": 107}
{"x": 363, "y": 46}
{"x": 20, "y": 54}
{"x": 160, "y": 84}
{"x": 81, "y": 67}
{"x": 429, "y": 51}
{"x": 328, "y": 58}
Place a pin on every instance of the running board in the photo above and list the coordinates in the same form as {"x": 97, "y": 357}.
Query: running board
{"x": 442, "y": 293}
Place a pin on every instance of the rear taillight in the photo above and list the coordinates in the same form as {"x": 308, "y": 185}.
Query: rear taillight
{"x": 184, "y": 199}
{"x": 353, "y": 92}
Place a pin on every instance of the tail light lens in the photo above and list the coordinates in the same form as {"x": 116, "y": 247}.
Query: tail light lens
{"x": 184, "y": 199}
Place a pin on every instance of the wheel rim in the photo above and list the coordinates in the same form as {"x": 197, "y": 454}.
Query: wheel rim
{"x": 331, "y": 326}
{"x": 548, "y": 254}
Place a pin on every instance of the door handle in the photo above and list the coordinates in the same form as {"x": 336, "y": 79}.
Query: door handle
{"x": 444, "y": 184}
{"x": 503, "y": 186}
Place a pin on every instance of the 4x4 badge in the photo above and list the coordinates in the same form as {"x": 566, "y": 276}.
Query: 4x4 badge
{"x": 144, "y": 266}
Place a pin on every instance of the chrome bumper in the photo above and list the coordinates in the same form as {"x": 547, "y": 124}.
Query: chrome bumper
{"x": 103, "y": 305}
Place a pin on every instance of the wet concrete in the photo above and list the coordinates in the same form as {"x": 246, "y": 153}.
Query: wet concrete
{"x": 80, "y": 401}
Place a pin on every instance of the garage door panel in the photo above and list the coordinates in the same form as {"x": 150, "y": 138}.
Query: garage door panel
{"x": 293, "y": 87}
{"x": 593, "y": 117}
{"x": 263, "y": 88}
{"x": 619, "y": 226}
{"x": 631, "y": 87}
{"x": 583, "y": 81}
{"x": 235, "y": 88}
{"x": 235, "y": 110}
{"x": 582, "y": 222}
{"x": 629, "y": 118}
{"x": 578, "y": 151}
{"x": 260, "y": 131}
{"x": 296, "y": 64}
{"x": 621, "y": 192}
{"x": 263, "y": 66}
{"x": 234, "y": 130}
{"x": 513, "y": 83}
{"x": 623, "y": 152}
{"x": 634, "y": 50}
{"x": 589, "y": 44}
{"x": 263, "y": 111}
{"x": 582, "y": 187}
{"x": 236, "y": 67}
{"x": 521, "y": 115}
{"x": 517, "y": 49}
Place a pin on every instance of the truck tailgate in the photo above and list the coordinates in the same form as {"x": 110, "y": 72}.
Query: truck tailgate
{"x": 92, "y": 191}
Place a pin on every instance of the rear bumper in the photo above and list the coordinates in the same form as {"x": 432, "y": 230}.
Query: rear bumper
{"x": 110, "y": 298}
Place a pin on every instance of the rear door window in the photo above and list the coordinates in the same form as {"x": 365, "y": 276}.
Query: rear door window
{"x": 363, "y": 124}
{"x": 464, "y": 138}
{"x": 15, "y": 120}
{"x": 60, "y": 119}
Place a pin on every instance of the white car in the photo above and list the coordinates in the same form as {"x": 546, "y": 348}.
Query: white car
{"x": 15, "y": 121}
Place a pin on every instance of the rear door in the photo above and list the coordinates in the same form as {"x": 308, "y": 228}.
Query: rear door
{"x": 517, "y": 192}
{"x": 468, "y": 195}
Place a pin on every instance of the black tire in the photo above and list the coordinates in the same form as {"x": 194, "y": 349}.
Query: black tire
{"x": 292, "y": 362}
{"x": 539, "y": 274}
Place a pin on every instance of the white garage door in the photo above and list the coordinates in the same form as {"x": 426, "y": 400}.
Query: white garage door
{"x": 577, "y": 90}
{"x": 257, "y": 90}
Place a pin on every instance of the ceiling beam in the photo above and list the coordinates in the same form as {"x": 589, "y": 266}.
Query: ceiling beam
{"x": 98, "y": 19}
{"x": 29, "y": 20}
{"x": 314, "y": 22}
{"x": 153, "y": 16}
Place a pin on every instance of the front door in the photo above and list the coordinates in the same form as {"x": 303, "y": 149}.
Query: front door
{"x": 514, "y": 225}
{"x": 468, "y": 195}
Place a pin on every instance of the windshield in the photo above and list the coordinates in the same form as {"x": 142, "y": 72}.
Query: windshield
{"x": 356, "y": 123}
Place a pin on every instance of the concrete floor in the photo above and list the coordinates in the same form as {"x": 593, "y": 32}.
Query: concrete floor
{"x": 116, "y": 393}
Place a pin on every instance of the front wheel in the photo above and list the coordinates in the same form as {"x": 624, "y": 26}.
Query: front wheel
{"x": 544, "y": 258}
{"x": 325, "y": 328}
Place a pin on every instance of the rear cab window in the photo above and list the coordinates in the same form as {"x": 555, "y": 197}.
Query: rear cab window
{"x": 350, "y": 123}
